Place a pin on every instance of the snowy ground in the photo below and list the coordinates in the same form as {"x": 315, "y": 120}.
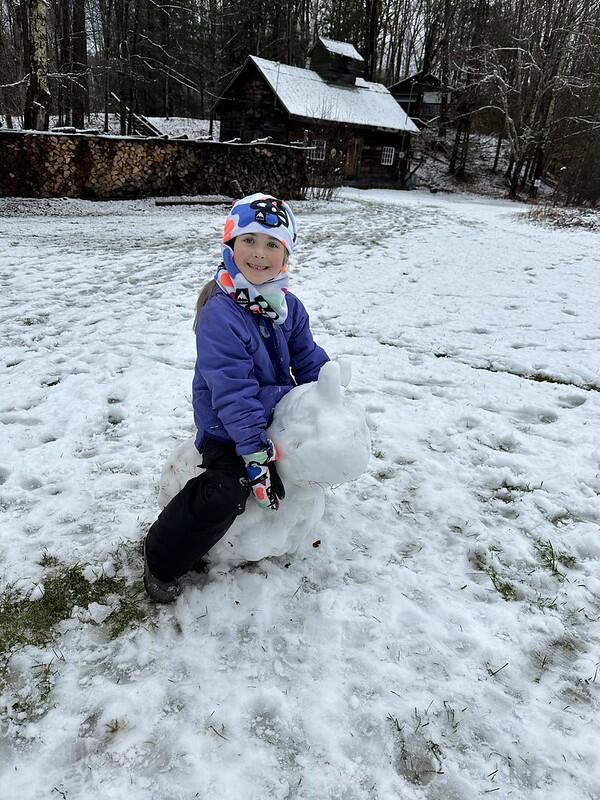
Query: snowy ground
{"x": 173, "y": 126}
{"x": 441, "y": 642}
{"x": 430, "y": 159}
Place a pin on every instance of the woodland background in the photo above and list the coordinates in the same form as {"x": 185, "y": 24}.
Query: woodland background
{"x": 527, "y": 71}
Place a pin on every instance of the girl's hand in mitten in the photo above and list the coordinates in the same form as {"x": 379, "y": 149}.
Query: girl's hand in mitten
{"x": 263, "y": 477}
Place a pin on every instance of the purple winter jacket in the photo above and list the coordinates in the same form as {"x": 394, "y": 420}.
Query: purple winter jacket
{"x": 245, "y": 364}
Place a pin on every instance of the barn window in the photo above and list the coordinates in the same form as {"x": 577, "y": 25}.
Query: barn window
{"x": 318, "y": 153}
{"x": 387, "y": 155}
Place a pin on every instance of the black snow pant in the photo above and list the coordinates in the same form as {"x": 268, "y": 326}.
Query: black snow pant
{"x": 200, "y": 515}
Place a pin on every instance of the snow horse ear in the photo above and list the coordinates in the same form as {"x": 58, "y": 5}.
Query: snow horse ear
{"x": 345, "y": 370}
{"x": 328, "y": 384}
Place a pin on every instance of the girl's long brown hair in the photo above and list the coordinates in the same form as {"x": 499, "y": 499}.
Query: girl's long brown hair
{"x": 206, "y": 293}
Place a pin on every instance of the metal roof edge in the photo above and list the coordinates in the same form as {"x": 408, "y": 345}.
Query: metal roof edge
{"x": 360, "y": 124}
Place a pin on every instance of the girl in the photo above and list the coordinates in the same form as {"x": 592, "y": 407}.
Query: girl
{"x": 253, "y": 344}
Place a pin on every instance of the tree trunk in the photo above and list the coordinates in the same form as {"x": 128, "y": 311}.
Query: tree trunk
{"x": 497, "y": 156}
{"x": 107, "y": 8}
{"x": 458, "y": 138}
{"x": 166, "y": 36}
{"x": 372, "y": 14}
{"x": 537, "y": 171}
{"x": 509, "y": 169}
{"x": 7, "y": 114}
{"x": 526, "y": 172}
{"x": 445, "y": 70}
{"x": 80, "y": 93}
{"x": 37, "y": 99}
{"x": 65, "y": 87}
{"x": 464, "y": 150}
{"x": 514, "y": 181}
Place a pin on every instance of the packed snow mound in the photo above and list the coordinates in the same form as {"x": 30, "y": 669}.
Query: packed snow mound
{"x": 323, "y": 440}
{"x": 321, "y": 434}
{"x": 182, "y": 465}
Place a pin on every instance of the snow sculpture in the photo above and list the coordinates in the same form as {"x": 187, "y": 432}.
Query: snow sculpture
{"x": 323, "y": 440}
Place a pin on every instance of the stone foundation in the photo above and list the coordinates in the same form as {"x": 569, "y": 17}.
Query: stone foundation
{"x": 34, "y": 164}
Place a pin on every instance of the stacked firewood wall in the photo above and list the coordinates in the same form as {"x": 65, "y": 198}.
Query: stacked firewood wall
{"x": 62, "y": 165}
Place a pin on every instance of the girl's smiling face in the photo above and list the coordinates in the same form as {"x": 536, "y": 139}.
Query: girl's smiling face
{"x": 258, "y": 256}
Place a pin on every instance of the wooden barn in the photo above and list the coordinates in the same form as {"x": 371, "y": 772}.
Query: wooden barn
{"x": 420, "y": 95}
{"x": 353, "y": 126}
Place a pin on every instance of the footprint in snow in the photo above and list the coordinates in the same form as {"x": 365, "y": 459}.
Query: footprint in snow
{"x": 535, "y": 416}
{"x": 571, "y": 400}
{"x": 416, "y": 758}
{"x": 16, "y": 419}
{"x": 86, "y": 452}
{"x": 522, "y": 345}
{"x": 116, "y": 413}
{"x": 30, "y": 483}
{"x": 406, "y": 391}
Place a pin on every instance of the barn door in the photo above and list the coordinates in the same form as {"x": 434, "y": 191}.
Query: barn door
{"x": 352, "y": 165}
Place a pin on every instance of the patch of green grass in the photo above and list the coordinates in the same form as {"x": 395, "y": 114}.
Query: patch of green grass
{"x": 544, "y": 602}
{"x": 551, "y": 558}
{"x": 32, "y": 701}
{"x": 132, "y": 610}
{"x": 538, "y": 377}
{"x": 26, "y": 622}
{"x": 505, "y": 589}
{"x": 519, "y": 487}
{"x": 48, "y": 560}
{"x": 509, "y": 492}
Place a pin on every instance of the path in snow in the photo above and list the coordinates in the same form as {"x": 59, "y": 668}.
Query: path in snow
{"x": 441, "y": 642}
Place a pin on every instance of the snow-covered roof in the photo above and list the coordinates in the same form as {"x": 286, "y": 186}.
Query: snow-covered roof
{"x": 341, "y": 48}
{"x": 420, "y": 78}
{"x": 304, "y": 93}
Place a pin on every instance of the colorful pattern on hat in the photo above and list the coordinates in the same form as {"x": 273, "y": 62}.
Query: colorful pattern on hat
{"x": 262, "y": 213}
{"x": 258, "y": 213}
{"x": 266, "y": 299}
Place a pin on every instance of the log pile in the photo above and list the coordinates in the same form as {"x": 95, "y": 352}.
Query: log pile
{"x": 106, "y": 167}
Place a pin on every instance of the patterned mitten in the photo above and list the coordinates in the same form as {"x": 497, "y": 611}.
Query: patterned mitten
{"x": 266, "y": 485}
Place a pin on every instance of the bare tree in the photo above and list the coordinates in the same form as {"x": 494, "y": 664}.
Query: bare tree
{"x": 37, "y": 101}
{"x": 80, "y": 102}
